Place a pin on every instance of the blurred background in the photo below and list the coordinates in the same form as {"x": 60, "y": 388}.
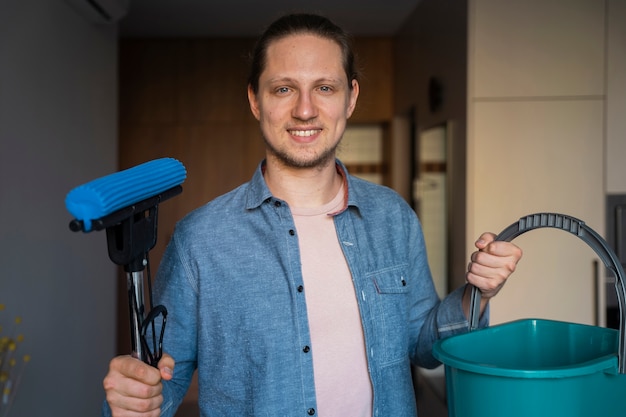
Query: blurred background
{"x": 477, "y": 112}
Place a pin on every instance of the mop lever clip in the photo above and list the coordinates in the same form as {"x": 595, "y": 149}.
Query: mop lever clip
{"x": 131, "y": 231}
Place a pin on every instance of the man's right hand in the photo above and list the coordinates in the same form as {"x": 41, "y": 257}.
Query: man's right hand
{"x": 134, "y": 388}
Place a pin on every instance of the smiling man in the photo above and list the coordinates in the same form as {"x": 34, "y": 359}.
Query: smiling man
{"x": 305, "y": 291}
{"x": 303, "y": 107}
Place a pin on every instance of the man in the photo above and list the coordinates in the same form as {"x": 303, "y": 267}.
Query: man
{"x": 305, "y": 291}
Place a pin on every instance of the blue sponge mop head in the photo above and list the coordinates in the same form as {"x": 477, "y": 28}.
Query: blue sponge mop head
{"x": 113, "y": 192}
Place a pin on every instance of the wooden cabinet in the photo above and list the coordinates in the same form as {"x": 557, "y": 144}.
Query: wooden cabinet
{"x": 375, "y": 60}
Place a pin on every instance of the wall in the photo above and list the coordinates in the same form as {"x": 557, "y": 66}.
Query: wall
{"x": 57, "y": 130}
{"x": 616, "y": 98}
{"x": 432, "y": 43}
{"x": 533, "y": 80}
{"x": 536, "y": 142}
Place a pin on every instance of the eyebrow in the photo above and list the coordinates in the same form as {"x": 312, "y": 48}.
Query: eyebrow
{"x": 322, "y": 80}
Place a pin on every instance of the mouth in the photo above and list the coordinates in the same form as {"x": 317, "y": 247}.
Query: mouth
{"x": 304, "y": 133}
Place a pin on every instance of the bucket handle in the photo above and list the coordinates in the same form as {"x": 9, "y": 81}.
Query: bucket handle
{"x": 588, "y": 235}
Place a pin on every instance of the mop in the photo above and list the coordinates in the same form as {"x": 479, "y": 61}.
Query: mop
{"x": 125, "y": 204}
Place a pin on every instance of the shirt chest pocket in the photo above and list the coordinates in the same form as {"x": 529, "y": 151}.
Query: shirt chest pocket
{"x": 390, "y": 315}
{"x": 390, "y": 282}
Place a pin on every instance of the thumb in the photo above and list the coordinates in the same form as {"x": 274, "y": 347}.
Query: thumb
{"x": 484, "y": 240}
{"x": 166, "y": 367}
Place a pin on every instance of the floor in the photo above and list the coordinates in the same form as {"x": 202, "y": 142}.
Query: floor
{"x": 430, "y": 401}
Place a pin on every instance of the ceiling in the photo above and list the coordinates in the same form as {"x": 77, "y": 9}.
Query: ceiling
{"x": 247, "y": 18}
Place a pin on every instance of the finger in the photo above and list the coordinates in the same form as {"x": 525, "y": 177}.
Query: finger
{"x": 141, "y": 371}
{"x": 131, "y": 367}
{"x": 503, "y": 249}
{"x": 498, "y": 254}
{"x": 131, "y": 406}
{"x": 484, "y": 240}
{"x": 129, "y": 397}
{"x": 166, "y": 367}
{"x": 123, "y": 385}
{"x": 481, "y": 260}
{"x": 131, "y": 377}
{"x": 488, "y": 270}
{"x": 488, "y": 280}
{"x": 489, "y": 276}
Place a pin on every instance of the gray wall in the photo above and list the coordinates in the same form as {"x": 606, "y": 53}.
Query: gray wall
{"x": 58, "y": 118}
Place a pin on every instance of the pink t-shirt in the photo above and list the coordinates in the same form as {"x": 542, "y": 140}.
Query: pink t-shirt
{"x": 342, "y": 382}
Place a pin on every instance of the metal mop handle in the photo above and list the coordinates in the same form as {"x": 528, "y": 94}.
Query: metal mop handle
{"x": 134, "y": 281}
{"x": 142, "y": 321}
{"x": 598, "y": 244}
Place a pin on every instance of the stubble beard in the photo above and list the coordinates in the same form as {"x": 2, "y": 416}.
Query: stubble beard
{"x": 304, "y": 159}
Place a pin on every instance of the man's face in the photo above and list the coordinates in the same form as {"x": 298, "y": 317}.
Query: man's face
{"x": 303, "y": 101}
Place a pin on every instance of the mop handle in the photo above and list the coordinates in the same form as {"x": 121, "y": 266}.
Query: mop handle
{"x": 142, "y": 322}
{"x": 136, "y": 306}
{"x": 598, "y": 244}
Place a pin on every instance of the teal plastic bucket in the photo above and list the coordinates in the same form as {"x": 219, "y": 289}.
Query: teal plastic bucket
{"x": 533, "y": 368}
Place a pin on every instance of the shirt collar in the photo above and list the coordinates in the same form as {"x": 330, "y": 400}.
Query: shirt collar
{"x": 258, "y": 191}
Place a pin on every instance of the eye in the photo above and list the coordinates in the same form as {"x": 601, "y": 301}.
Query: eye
{"x": 282, "y": 90}
{"x": 326, "y": 89}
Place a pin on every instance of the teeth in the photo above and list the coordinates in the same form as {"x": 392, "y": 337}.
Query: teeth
{"x": 304, "y": 133}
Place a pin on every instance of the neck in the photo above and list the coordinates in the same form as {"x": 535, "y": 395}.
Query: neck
{"x": 303, "y": 187}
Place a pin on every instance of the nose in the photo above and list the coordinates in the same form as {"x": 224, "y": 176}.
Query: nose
{"x": 305, "y": 108}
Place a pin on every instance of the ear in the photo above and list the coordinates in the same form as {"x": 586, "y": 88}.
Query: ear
{"x": 254, "y": 103}
{"x": 354, "y": 95}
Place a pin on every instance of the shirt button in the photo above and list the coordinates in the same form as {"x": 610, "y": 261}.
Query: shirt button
{"x": 292, "y": 232}
{"x": 310, "y": 411}
{"x": 300, "y": 288}
{"x": 277, "y": 203}
{"x": 306, "y": 349}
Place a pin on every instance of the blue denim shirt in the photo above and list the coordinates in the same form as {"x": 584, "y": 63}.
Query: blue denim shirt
{"x": 232, "y": 283}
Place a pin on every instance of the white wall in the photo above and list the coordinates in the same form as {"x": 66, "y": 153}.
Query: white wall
{"x": 57, "y": 130}
{"x": 545, "y": 92}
